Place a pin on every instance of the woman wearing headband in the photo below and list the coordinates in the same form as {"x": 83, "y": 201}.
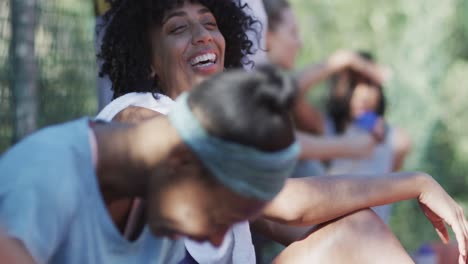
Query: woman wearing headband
{"x": 57, "y": 183}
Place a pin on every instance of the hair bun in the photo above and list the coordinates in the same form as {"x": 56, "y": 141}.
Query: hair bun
{"x": 278, "y": 89}
{"x": 250, "y": 108}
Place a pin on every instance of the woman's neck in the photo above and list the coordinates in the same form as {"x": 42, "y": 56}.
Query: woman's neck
{"x": 174, "y": 93}
{"x": 127, "y": 155}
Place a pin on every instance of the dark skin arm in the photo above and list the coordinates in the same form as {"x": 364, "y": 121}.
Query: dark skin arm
{"x": 13, "y": 251}
{"x": 308, "y": 118}
{"x": 281, "y": 233}
{"x": 314, "y": 200}
{"x": 135, "y": 114}
{"x": 120, "y": 210}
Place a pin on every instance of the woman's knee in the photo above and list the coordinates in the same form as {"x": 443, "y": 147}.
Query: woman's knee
{"x": 362, "y": 222}
{"x": 356, "y": 238}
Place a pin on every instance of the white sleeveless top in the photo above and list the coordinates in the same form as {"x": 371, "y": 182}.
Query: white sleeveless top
{"x": 161, "y": 105}
{"x": 237, "y": 247}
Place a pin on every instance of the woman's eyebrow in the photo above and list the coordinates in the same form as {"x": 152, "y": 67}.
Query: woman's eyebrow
{"x": 201, "y": 11}
{"x": 174, "y": 14}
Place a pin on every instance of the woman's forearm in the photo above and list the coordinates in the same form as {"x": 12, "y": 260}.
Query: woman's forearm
{"x": 313, "y": 74}
{"x": 281, "y": 233}
{"x": 325, "y": 148}
{"x": 314, "y": 200}
{"x": 13, "y": 251}
{"x": 308, "y": 118}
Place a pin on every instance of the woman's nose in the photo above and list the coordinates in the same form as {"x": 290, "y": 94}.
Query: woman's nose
{"x": 201, "y": 35}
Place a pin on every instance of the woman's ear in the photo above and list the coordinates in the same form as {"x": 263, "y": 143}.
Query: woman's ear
{"x": 153, "y": 76}
{"x": 168, "y": 171}
{"x": 179, "y": 156}
{"x": 152, "y": 72}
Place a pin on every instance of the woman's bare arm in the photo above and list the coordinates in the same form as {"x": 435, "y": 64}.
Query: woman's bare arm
{"x": 281, "y": 233}
{"x": 341, "y": 60}
{"x": 135, "y": 114}
{"x": 314, "y": 200}
{"x": 325, "y": 148}
{"x": 308, "y": 118}
{"x": 13, "y": 251}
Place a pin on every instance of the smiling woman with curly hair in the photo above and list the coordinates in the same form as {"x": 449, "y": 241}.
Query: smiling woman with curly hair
{"x": 128, "y": 45}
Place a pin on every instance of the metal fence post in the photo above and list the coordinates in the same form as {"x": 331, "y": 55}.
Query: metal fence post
{"x": 24, "y": 81}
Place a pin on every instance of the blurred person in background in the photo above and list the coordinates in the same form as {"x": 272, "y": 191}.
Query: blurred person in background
{"x": 357, "y": 105}
{"x": 355, "y": 100}
{"x": 283, "y": 45}
{"x": 345, "y": 105}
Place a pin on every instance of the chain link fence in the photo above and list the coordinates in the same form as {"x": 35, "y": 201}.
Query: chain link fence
{"x": 65, "y": 57}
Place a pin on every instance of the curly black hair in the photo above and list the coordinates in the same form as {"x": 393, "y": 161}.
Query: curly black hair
{"x": 126, "y": 47}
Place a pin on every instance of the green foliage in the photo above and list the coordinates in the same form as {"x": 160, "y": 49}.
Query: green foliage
{"x": 425, "y": 42}
{"x": 64, "y": 44}
{"x": 6, "y": 122}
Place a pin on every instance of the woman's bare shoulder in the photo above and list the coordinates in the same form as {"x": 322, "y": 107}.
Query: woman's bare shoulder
{"x": 135, "y": 114}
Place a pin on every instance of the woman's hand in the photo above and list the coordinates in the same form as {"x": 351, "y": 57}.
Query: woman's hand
{"x": 440, "y": 208}
{"x": 345, "y": 59}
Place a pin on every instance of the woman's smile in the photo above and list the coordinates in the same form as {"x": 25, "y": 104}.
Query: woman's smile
{"x": 205, "y": 63}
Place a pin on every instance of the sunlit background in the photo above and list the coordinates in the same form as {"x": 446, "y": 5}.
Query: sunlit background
{"x": 425, "y": 42}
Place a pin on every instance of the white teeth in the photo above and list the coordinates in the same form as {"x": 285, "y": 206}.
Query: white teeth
{"x": 210, "y": 57}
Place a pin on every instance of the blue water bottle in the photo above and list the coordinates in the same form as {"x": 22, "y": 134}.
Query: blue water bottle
{"x": 426, "y": 255}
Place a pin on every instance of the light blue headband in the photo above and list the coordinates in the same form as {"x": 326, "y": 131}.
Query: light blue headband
{"x": 245, "y": 170}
